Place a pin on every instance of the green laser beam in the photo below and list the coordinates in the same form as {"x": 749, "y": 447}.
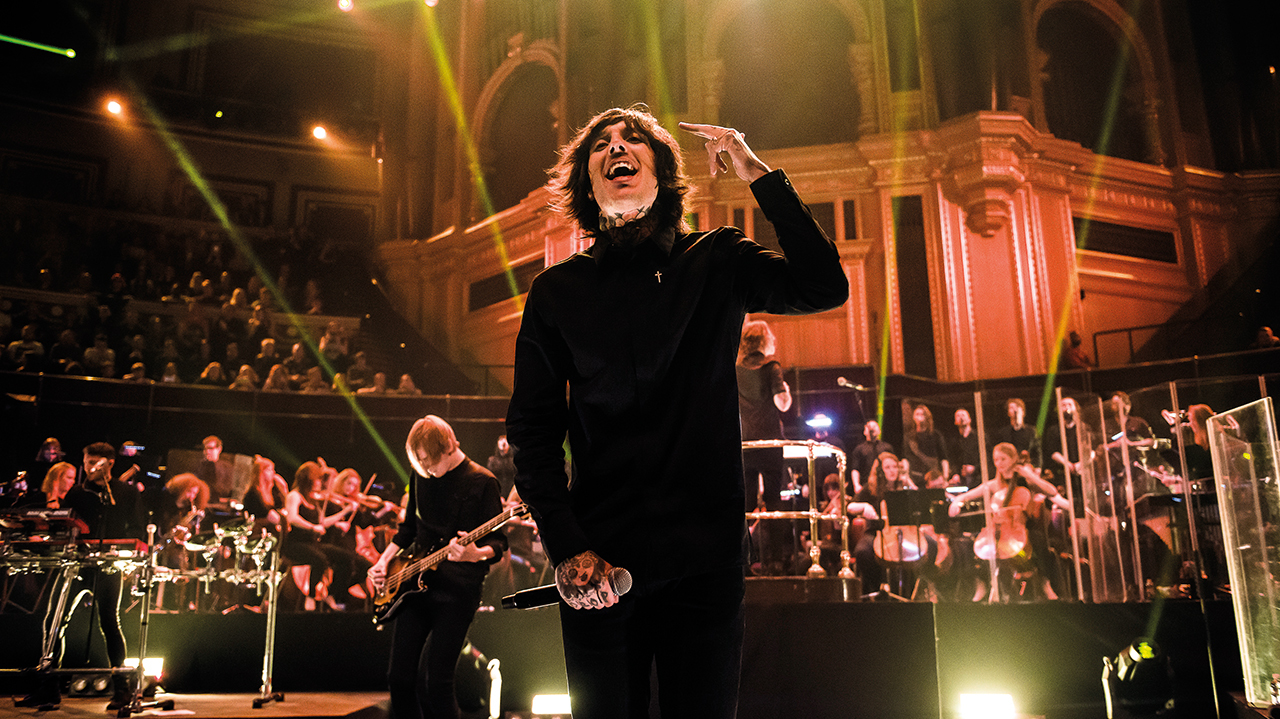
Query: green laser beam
{"x": 450, "y": 88}
{"x": 189, "y": 168}
{"x": 1109, "y": 114}
{"x": 65, "y": 51}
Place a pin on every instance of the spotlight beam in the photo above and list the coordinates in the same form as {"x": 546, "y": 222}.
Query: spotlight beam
{"x": 64, "y": 51}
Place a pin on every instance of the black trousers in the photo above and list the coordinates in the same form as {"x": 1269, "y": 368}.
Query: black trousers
{"x": 426, "y": 639}
{"x": 108, "y": 589}
{"x": 689, "y": 629}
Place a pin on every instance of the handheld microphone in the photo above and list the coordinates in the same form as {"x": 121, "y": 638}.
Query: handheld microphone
{"x": 548, "y": 594}
{"x": 843, "y": 382}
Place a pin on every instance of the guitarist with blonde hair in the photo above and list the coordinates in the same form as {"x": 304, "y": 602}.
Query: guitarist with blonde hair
{"x": 449, "y": 496}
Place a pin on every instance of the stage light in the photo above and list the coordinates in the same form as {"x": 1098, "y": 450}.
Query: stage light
{"x": 319, "y": 132}
{"x": 218, "y": 114}
{"x": 345, "y": 5}
{"x": 1138, "y": 682}
{"x": 114, "y": 107}
{"x": 819, "y": 421}
{"x": 986, "y": 706}
{"x": 549, "y": 705}
{"x": 431, "y": 3}
{"x": 151, "y": 666}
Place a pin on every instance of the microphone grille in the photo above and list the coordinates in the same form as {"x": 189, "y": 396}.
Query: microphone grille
{"x": 621, "y": 580}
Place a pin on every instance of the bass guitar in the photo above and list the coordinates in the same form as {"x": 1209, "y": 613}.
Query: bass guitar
{"x": 406, "y": 572}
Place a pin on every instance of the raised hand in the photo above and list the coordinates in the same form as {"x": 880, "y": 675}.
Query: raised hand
{"x": 728, "y": 140}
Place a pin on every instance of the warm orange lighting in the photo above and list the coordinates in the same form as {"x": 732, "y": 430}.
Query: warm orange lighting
{"x": 114, "y": 107}
{"x": 345, "y": 5}
{"x": 319, "y": 132}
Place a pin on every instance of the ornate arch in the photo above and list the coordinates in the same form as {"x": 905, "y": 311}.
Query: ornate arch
{"x": 540, "y": 53}
{"x": 709, "y": 68}
{"x": 1122, "y": 26}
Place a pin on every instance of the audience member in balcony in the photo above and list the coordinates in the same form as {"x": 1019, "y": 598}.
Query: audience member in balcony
{"x": 131, "y": 323}
{"x": 192, "y": 290}
{"x": 359, "y": 374}
{"x": 169, "y": 353}
{"x": 407, "y": 387}
{"x": 311, "y": 298}
{"x": 137, "y": 373}
{"x": 923, "y": 446}
{"x": 1073, "y": 355}
{"x": 207, "y": 295}
{"x": 278, "y": 380}
{"x": 135, "y": 350}
{"x": 864, "y": 454}
{"x": 64, "y": 351}
{"x": 258, "y": 328}
{"x": 266, "y": 301}
{"x": 240, "y": 300}
{"x": 245, "y": 379}
{"x": 231, "y": 357}
{"x": 966, "y": 453}
{"x": 297, "y": 364}
{"x": 267, "y": 357}
{"x": 225, "y": 287}
{"x": 1265, "y": 339}
{"x": 170, "y": 374}
{"x": 117, "y": 296}
{"x": 334, "y": 347}
{"x": 212, "y": 376}
{"x": 315, "y": 383}
{"x": 1017, "y": 432}
{"x": 98, "y": 357}
{"x": 226, "y": 328}
{"x": 27, "y": 351}
{"x": 379, "y": 385}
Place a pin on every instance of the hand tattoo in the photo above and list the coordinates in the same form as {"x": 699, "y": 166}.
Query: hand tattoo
{"x": 581, "y": 581}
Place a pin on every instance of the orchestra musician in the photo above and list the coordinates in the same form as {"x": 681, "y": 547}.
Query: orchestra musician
{"x": 1007, "y": 498}
{"x": 112, "y": 510}
{"x": 59, "y": 480}
{"x": 307, "y": 510}
{"x": 265, "y": 500}
{"x": 449, "y": 495}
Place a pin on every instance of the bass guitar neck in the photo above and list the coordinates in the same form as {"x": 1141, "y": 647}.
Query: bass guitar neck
{"x": 406, "y": 572}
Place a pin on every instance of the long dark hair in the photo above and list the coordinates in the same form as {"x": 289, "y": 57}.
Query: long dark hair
{"x": 571, "y": 182}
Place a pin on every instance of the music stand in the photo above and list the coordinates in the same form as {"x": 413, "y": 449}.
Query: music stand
{"x": 904, "y": 508}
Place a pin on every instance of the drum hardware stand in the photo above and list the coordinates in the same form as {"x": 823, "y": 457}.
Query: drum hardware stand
{"x": 144, "y": 620}
{"x": 267, "y": 694}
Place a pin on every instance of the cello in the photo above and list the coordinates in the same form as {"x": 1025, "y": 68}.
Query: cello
{"x": 1005, "y": 536}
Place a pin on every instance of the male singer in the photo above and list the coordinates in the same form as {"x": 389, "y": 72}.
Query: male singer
{"x": 643, "y": 329}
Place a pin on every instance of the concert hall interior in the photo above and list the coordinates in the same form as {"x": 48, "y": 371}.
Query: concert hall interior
{"x": 248, "y": 244}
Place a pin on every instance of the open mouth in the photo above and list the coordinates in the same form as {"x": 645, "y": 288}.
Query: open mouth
{"x": 620, "y": 169}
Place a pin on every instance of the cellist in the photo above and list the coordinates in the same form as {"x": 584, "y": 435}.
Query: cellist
{"x": 1007, "y": 497}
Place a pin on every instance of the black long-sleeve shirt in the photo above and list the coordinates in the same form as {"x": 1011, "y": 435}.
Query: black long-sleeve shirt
{"x": 459, "y": 500}
{"x": 646, "y": 341}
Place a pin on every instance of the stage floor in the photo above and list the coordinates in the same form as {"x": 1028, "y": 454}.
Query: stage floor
{"x": 362, "y": 705}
